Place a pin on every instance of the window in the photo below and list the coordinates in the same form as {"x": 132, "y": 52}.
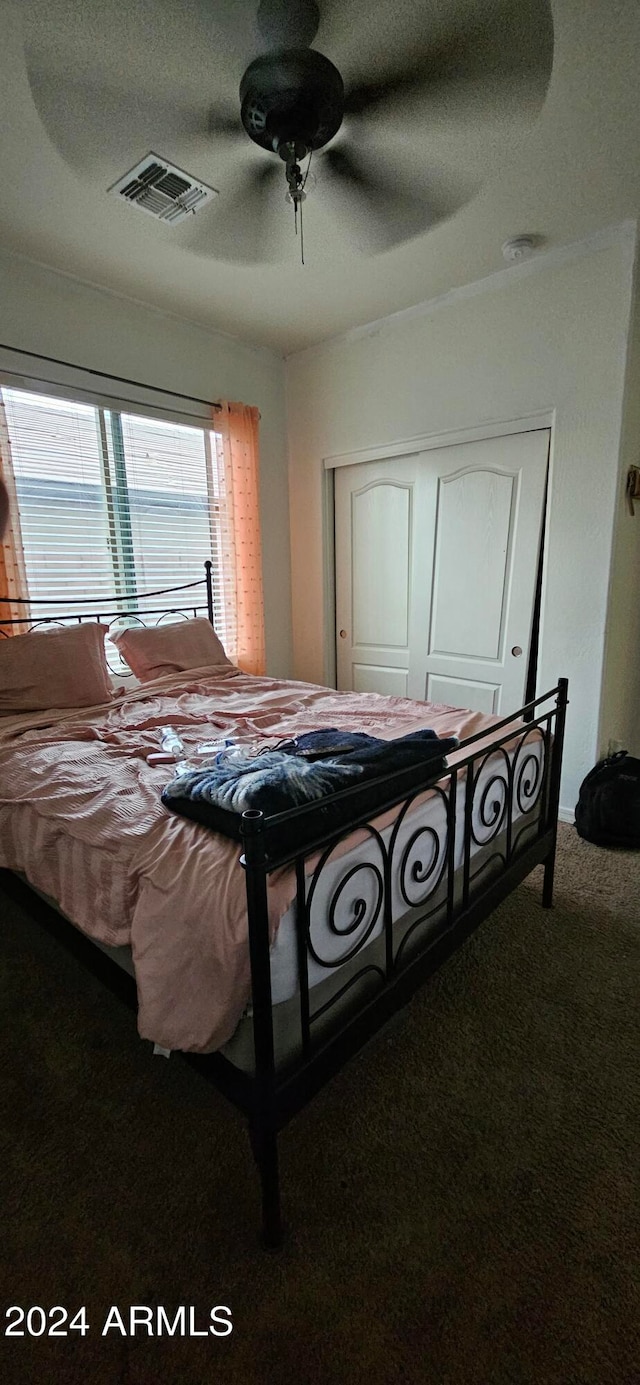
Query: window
{"x": 113, "y": 504}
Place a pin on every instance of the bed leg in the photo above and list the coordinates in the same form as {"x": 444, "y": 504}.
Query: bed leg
{"x": 547, "y": 885}
{"x": 551, "y": 817}
{"x": 264, "y": 1145}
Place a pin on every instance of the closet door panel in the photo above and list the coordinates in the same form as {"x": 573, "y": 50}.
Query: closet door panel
{"x": 473, "y": 519}
{"x": 380, "y": 548}
{"x": 372, "y": 678}
{"x": 379, "y": 570}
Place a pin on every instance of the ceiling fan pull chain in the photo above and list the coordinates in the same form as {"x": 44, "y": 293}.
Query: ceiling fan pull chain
{"x": 302, "y": 190}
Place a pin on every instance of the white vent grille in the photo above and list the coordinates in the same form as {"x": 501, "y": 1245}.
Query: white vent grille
{"x": 162, "y": 190}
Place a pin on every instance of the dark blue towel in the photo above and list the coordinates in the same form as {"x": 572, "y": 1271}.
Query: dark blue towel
{"x": 276, "y": 780}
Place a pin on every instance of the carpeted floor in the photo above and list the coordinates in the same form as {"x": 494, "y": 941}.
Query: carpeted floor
{"x": 463, "y": 1199}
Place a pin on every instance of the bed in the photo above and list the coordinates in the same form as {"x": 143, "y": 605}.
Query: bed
{"x": 268, "y": 951}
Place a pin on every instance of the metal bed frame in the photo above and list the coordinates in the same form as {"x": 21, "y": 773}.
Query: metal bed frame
{"x": 509, "y": 827}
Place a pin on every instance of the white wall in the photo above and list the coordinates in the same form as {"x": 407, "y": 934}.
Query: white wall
{"x": 549, "y": 336}
{"x": 46, "y": 312}
{"x": 620, "y": 711}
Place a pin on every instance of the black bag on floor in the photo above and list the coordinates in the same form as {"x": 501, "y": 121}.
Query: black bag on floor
{"x": 608, "y": 807}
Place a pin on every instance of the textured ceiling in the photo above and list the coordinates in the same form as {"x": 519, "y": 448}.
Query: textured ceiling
{"x": 506, "y": 144}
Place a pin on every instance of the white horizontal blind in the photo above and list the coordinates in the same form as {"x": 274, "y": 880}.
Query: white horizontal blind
{"x": 113, "y": 504}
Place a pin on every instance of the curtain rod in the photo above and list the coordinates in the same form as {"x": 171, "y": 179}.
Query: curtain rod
{"x": 103, "y": 375}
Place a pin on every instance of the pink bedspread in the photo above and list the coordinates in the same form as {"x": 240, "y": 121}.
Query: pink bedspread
{"x": 81, "y": 817}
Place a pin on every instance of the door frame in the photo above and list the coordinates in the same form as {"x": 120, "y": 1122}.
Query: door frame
{"x": 481, "y": 432}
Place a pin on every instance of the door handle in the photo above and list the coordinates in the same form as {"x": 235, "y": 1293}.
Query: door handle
{"x": 343, "y": 634}
{"x": 516, "y": 651}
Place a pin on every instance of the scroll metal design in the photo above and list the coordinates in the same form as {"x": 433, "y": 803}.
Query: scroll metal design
{"x": 415, "y": 858}
{"x": 491, "y": 797}
{"x": 531, "y": 776}
{"x": 425, "y": 858}
{"x": 101, "y": 609}
{"x": 424, "y": 855}
{"x": 125, "y": 620}
{"x": 355, "y": 906}
{"x": 510, "y": 790}
{"x": 528, "y": 773}
{"x": 401, "y": 872}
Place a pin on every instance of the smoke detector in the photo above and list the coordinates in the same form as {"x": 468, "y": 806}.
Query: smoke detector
{"x": 162, "y": 190}
{"x": 519, "y": 247}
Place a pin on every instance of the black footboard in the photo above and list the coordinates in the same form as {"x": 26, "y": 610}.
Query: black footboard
{"x": 435, "y": 854}
{"x": 430, "y": 880}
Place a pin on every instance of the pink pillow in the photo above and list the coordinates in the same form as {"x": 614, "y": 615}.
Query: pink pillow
{"x": 60, "y": 667}
{"x": 158, "y": 649}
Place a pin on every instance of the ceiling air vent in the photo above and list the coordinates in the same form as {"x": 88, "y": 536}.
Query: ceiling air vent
{"x": 163, "y": 190}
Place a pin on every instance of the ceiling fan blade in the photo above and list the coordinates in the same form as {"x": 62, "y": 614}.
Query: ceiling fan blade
{"x": 223, "y": 121}
{"x": 385, "y": 208}
{"x": 165, "y": 44}
{"x": 99, "y": 129}
{"x": 243, "y": 228}
{"x": 509, "y": 44}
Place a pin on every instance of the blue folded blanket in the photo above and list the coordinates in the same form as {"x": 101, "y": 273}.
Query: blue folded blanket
{"x": 276, "y": 780}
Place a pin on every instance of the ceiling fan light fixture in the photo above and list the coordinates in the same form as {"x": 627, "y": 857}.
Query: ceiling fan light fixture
{"x": 293, "y": 96}
{"x": 309, "y": 183}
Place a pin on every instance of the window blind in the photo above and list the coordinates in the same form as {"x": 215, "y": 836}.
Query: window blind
{"x": 114, "y": 504}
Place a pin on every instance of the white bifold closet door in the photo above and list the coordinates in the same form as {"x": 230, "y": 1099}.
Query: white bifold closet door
{"x": 436, "y": 566}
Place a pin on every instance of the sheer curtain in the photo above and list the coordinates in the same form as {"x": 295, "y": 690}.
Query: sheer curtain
{"x": 13, "y": 577}
{"x": 238, "y": 459}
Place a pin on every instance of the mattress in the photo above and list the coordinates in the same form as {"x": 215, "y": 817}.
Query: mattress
{"x": 80, "y": 818}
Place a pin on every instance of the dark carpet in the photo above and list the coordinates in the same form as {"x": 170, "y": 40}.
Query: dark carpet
{"x": 462, "y": 1200}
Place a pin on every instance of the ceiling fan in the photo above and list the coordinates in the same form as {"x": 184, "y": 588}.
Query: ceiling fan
{"x": 293, "y": 102}
{"x": 468, "y": 57}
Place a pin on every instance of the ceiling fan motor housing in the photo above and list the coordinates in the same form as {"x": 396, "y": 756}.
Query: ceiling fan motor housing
{"x": 292, "y": 97}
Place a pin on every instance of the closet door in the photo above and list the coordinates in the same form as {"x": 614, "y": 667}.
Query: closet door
{"x": 436, "y": 566}
{"x": 382, "y": 575}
